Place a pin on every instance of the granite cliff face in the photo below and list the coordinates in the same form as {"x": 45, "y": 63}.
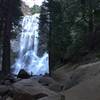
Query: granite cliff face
{"x": 25, "y": 9}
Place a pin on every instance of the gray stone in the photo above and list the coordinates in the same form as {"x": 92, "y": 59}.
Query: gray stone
{"x": 31, "y": 88}
{"x": 7, "y": 82}
{"x": 72, "y": 75}
{"x": 3, "y": 89}
{"x": 54, "y": 97}
{"x": 46, "y": 80}
{"x": 56, "y": 87}
{"x": 86, "y": 90}
{"x": 25, "y": 9}
{"x": 23, "y": 96}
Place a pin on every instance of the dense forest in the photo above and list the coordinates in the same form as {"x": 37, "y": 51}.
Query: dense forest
{"x": 72, "y": 28}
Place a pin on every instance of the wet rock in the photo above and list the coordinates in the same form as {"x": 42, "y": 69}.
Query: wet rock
{"x": 23, "y": 74}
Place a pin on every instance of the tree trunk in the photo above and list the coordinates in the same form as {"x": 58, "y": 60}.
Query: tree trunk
{"x": 6, "y": 47}
{"x": 50, "y": 40}
{"x": 6, "y": 36}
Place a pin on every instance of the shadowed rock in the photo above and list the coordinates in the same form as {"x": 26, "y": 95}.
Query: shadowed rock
{"x": 3, "y": 89}
{"x": 54, "y": 97}
{"x": 23, "y": 74}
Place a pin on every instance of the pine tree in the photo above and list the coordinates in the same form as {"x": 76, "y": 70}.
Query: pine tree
{"x": 43, "y": 28}
{"x": 72, "y": 29}
{"x": 10, "y": 12}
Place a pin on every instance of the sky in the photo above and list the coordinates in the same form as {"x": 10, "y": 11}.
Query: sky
{"x": 30, "y": 3}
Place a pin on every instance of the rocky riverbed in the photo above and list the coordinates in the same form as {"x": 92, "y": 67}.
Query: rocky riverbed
{"x": 67, "y": 83}
{"x": 33, "y": 88}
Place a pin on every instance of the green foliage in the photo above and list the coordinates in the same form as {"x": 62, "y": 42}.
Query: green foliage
{"x": 74, "y": 29}
{"x": 43, "y": 28}
{"x": 98, "y": 55}
{"x": 35, "y": 9}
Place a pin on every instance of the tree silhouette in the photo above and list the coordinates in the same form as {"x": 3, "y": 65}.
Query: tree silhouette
{"x": 10, "y": 12}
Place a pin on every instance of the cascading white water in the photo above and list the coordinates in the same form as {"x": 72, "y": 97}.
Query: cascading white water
{"x": 27, "y": 58}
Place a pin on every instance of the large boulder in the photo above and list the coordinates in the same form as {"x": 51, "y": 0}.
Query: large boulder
{"x": 50, "y": 83}
{"x": 30, "y": 88}
{"x": 71, "y": 75}
{"x": 87, "y": 90}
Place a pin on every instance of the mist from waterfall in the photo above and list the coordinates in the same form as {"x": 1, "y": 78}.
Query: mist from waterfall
{"x": 27, "y": 54}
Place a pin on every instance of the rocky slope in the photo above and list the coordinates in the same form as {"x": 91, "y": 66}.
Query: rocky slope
{"x": 67, "y": 83}
{"x": 87, "y": 90}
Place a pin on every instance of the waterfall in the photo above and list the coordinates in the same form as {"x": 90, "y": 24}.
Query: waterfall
{"x": 27, "y": 55}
